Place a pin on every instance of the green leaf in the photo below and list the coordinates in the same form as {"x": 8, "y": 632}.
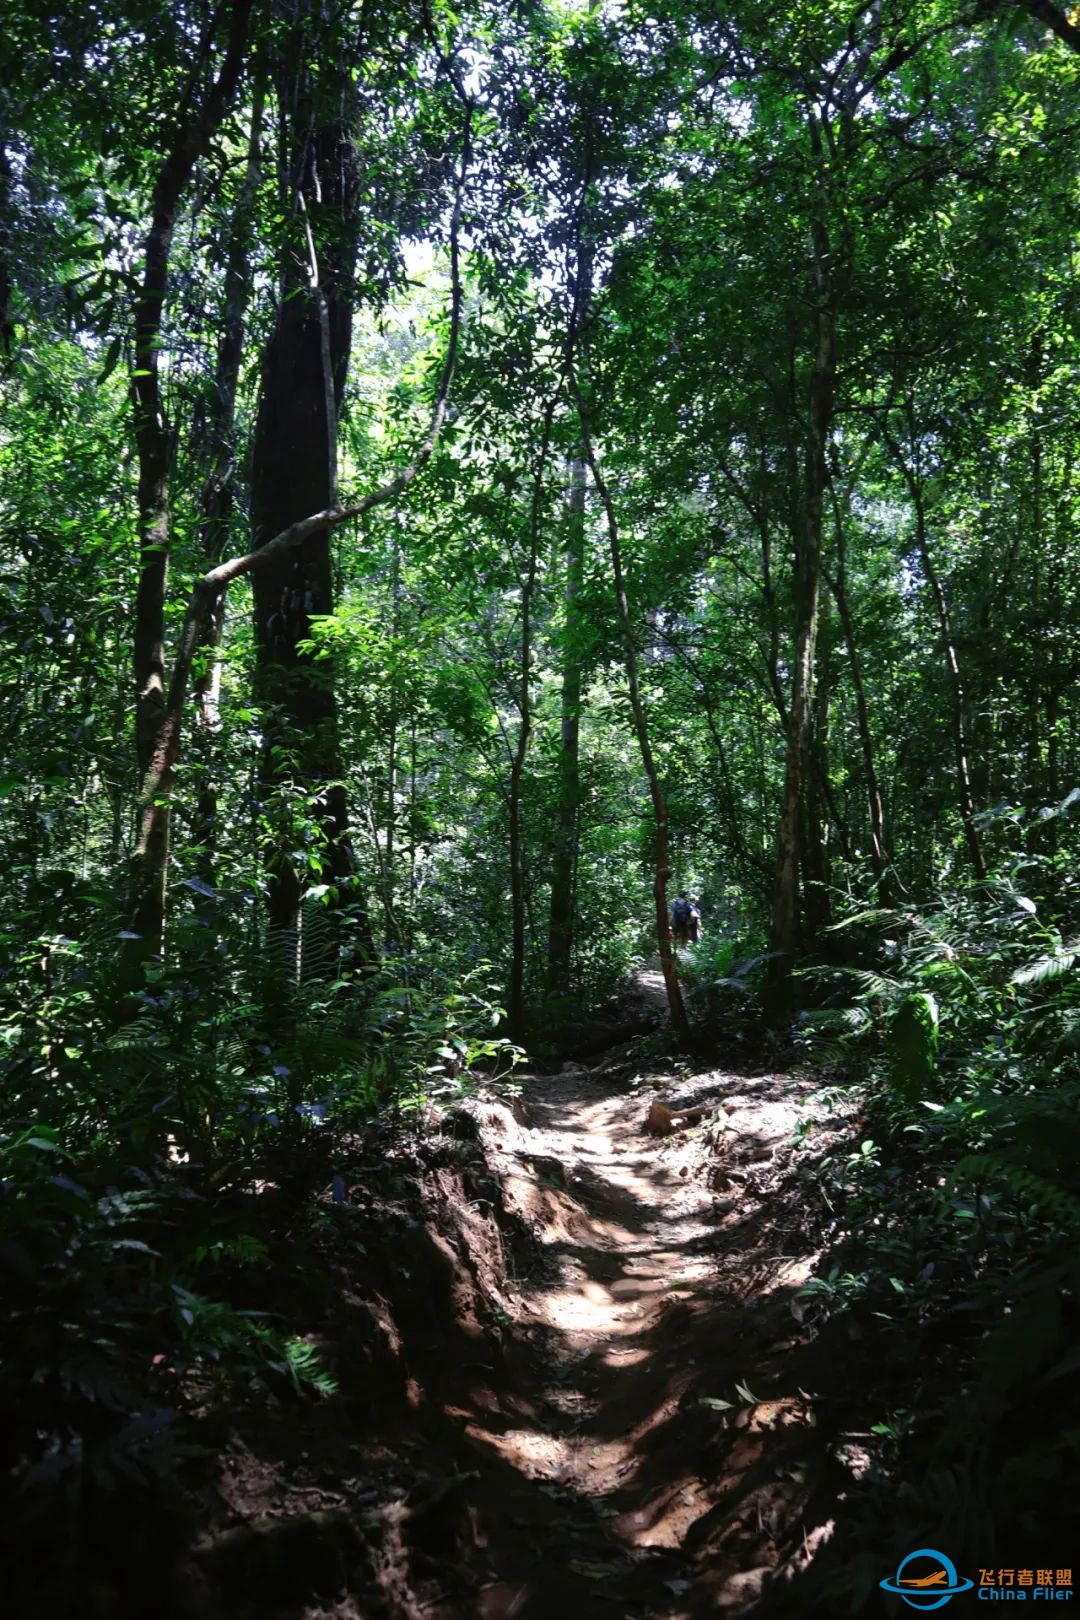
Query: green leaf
{"x": 112, "y": 359}
{"x": 913, "y": 1046}
{"x": 1045, "y": 968}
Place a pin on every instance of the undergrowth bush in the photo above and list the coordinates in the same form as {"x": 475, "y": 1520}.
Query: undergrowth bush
{"x": 117, "y": 1135}
{"x": 107, "y": 1315}
{"x": 723, "y": 974}
{"x": 956, "y": 1217}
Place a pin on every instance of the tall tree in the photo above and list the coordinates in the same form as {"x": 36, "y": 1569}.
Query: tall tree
{"x": 657, "y": 795}
{"x": 280, "y": 550}
{"x": 568, "y": 804}
{"x": 200, "y": 116}
{"x": 294, "y": 465}
{"x": 827, "y": 259}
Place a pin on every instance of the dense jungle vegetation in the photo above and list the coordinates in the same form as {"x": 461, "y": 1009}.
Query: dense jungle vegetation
{"x": 468, "y": 474}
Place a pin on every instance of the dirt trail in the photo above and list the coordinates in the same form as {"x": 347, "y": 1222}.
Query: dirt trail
{"x": 575, "y": 1376}
{"x": 650, "y": 1410}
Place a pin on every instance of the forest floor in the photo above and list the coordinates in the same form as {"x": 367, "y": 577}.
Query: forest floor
{"x": 576, "y": 1378}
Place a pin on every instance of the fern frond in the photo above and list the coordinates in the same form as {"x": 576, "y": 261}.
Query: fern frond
{"x": 1045, "y": 968}
{"x": 876, "y": 985}
{"x": 306, "y": 1369}
{"x": 1056, "y": 1202}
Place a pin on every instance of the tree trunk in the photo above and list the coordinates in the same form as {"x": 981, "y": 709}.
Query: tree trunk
{"x": 1060, "y": 20}
{"x": 564, "y": 863}
{"x": 516, "y": 996}
{"x": 196, "y": 127}
{"x": 838, "y": 586}
{"x": 785, "y": 919}
{"x": 754, "y": 866}
{"x": 294, "y": 472}
{"x": 661, "y": 873}
{"x": 392, "y": 934}
{"x": 961, "y": 749}
{"x": 218, "y": 491}
{"x": 582, "y": 286}
{"x": 815, "y": 828}
{"x": 413, "y": 815}
{"x": 7, "y": 324}
{"x": 956, "y": 689}
{"x": 516, "y": 1009}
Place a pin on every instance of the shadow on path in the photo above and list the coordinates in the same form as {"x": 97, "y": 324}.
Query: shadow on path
{"x": 668, "y": 1386}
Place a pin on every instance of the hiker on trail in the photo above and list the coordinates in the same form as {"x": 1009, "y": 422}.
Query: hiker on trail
{"x": 685, "y": 920}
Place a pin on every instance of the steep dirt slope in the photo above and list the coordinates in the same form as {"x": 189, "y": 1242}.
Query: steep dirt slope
{"x": 575, "y": 1378}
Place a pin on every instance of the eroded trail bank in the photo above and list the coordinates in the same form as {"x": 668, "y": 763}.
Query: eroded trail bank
{"x": 658, "y": 1330}
{"x": 663, "y": 1309}
{"x": 574, "y": 1380}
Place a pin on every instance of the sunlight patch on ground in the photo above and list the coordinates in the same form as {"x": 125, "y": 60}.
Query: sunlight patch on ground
{"x": 622, "y": 1355}
{"x": 588, "y": 1309}
{"x": 566, "y": 1461}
